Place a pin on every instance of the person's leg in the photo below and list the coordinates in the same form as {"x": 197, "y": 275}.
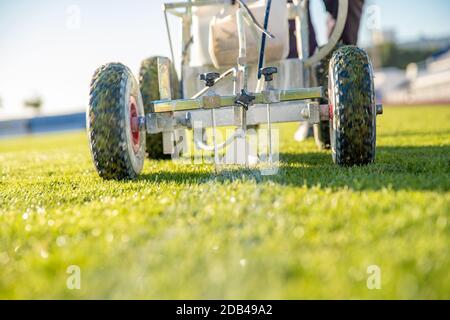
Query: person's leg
{"x": 293, "y": 51}
{"x": 305, "y": 130}
{"x": 312, "y": 35}
{"x": 349, "y": 37}
{"x": 351, "y": 30}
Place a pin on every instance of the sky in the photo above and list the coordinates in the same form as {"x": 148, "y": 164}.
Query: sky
{"x": 51, "y": 48}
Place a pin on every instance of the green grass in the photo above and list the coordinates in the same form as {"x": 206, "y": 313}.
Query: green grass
{"x": 184, "y": 232}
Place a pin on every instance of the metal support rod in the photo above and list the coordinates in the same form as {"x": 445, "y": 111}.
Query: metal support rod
{"x": 229, "y": 101}
{"x": 268, "y": 88}
{"x": 222, "y": 76}
{"x": 236, "y": 110}
{"x": 216, "y": 149}
{"x": 186, "y": 41}
{"x": 302, "y": 32}
{"x": 169, "y": 35}
{"x": 263, "y": 39}
{"x": 269, "y": 132}
{"x": 235, "y": 80}
{"x": 242, "y": 66}
{"x": 242, "y": 59}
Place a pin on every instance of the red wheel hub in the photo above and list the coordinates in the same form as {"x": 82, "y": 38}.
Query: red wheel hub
{"x": 134, "y": 124}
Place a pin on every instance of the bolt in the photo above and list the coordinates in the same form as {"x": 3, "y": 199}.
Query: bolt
{"x": 305, "y": 113}
{"x": 142, "y": 121}
{"x": 379, "y": 108}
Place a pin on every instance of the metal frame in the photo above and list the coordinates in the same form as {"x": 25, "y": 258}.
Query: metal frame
{"x": 291, "y": 112}
{"x": 269, "y": 96}
{"x": 269, "y": 106}
{"x": 238, "y": 73}
{"x": 296, "y": 11}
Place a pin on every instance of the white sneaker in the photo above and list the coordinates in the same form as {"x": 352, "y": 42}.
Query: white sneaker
{"x": 302, "y": 132}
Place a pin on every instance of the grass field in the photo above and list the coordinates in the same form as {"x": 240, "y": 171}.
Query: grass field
{"x": 183, "y": 232}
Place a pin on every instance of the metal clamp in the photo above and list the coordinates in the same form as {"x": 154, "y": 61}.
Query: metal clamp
{"x": 270, "y": 96}
{"x": 312, "y": 112}
{"x": 245, "y": 99}
{"x": 210, "y": 78}
{"x": 268, "y": 73}
{"x": 210, "y": 101}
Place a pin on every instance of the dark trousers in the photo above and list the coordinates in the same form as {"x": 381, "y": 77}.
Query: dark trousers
{"x": 349, "y": 35}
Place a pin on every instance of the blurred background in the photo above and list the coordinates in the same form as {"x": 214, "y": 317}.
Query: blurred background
{"x": 50, "y": 49}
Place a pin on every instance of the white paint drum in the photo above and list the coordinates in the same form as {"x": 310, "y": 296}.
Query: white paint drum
{"x": 201, "y": 19}
{"x": 223, "y": 41}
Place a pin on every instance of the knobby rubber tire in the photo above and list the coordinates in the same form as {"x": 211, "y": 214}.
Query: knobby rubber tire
{"x": 352, "y": 101}
{"x": 108, "y": 123}
{"x": 149, "y": 86}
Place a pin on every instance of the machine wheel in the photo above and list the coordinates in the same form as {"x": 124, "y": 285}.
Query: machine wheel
{"x": 149, "y": 85}
{"x": 322, "y": 129}
{"x": 352, "y": 107}
{"x": 116, "y": 140}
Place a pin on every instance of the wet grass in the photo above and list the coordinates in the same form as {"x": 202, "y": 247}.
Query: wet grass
{"x": 184, "y": 232}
